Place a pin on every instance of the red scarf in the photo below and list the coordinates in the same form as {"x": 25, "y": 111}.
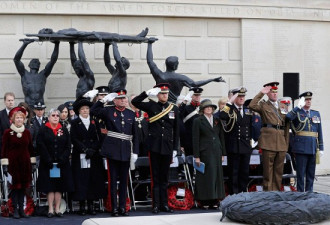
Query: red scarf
{"x": 55, "y": 130}
{"x": 195, "y": 103}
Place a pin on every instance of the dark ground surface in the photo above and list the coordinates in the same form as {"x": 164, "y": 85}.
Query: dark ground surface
{"x": 75, "y": 219}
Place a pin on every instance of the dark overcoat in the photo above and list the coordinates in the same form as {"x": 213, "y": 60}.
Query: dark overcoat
{"x": 56, "y": 149}
{"x": 89, "y": 182}
{"x": 209, "y": 146}
{"x": 4, "y": 123}
{"x": 18, "y": 151}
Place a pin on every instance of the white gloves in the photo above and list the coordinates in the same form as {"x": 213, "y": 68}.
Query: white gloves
{"x": 91, "y": 94}
{"x": 188, "y": 96}
{"x": 134, "y": 157}
{"x": 301, "y": 102}
{"x": 109, "y": 97}
{"x": 232, "y": 99}
{"x": 153, "y": 91}
{"x": 321, "y": 153}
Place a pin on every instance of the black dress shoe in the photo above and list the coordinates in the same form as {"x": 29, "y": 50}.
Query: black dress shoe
{"x": 155, "y": 210}
{"x": 165, "y": 208}
{"x": 123, "y": 212}
{"x": 50, "y": 215}
{"x": 59, "y": 214}
{"x": 114, "y": 213}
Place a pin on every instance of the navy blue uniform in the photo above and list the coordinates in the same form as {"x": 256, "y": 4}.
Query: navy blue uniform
{"x": 118, "y": 151}
{"x": 308, "y": 137}
{"x": 238, "y": 146}
{"x": 163, "y": 138}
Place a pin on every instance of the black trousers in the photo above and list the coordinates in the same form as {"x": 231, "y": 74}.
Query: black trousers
{"x": 238, "y": 165}
{"x": 118, "y": 172}
{"x": 159, "y": 167}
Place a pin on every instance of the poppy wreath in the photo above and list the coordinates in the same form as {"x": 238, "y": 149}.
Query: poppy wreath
{"x": 8, "y": 210}
{"x": 185, "y": 203}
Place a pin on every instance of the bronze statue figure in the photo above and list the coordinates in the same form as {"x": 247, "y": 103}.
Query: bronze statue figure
{"x": 81, "y": 67}
{"x": 73, "y": 35}
{"x": 119, "y": 75}
{"x": 33, "y": 81}
{"x": 177, "y": 81}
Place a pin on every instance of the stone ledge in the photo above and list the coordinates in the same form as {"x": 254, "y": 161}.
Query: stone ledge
{"x": 318, "y": 11}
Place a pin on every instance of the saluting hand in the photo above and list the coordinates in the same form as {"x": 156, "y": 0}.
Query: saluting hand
{"x": 198, "y": 161}
{"x": 187, "y": 98}
{"x": 301, "y": 102}
{"x": 91, "y": 94}
{"x": 266, "y": 89}
{"x": 109, "y": 97}
{"x": 153, "y": 91}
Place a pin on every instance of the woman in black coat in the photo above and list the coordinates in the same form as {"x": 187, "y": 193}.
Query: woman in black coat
{"x": 55, "y": 147}
{"x": 89, "y": 182}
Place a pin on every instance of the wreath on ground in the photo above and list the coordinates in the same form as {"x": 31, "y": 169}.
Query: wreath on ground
{"x": 180, "y": 203}
{"x": 272, "y": 208}
{"x": 8, "y": 210}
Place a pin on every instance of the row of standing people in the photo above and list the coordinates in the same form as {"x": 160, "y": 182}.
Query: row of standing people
{"x": 239, "y": 124}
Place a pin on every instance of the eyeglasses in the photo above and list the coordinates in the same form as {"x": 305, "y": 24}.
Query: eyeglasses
{"x": 55, "y": 115}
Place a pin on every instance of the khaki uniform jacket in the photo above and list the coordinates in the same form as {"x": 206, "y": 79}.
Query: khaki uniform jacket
{"x": 271, "y": 138}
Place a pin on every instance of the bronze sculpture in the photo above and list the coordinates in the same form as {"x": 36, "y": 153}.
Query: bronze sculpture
{"x": 81, "y": 67}
{"x": 119, "y": 75}
{"x": 33, "y": 81}
{"x": 177, "y": 81}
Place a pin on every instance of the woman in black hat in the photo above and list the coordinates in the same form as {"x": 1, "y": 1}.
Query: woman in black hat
{"x": 87, "y": 163}
{"x": 209, "y": 148}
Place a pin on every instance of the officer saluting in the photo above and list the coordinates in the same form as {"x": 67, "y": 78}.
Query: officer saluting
{"x": 238, "y": 136}
{"x": 306, "y": 124}
{"x": 163, "y": 138}
{"x": 120, "y": 143}
{"x": 188, "y": 113}
{"x": 274, "y": 137}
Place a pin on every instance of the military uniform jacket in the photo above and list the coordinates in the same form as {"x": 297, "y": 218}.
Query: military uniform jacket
{"x": 238, "y": 139}
{"x": 163, "y": 134}
{"x": 271, "y": 138}
{"x": 185, "y": 110}
{"x": 306, "y": 144}
{"x": 120, "y": 122}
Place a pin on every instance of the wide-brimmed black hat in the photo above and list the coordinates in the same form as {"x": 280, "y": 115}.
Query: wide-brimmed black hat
{"x": 79, "y": 103}
{"x": 205, "y": 103}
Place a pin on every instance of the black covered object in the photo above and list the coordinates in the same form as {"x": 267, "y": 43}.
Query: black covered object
{"x": 272, "y": 208}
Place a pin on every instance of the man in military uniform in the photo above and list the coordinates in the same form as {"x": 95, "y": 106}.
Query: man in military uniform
{"x": 163, "y": 138}
{"x": 120, "y": 143}
{"x": 308, "y": 139}
{"x": 188, "y": 113}
{"x": 238, "y": 140}
{"x": 274, "y": 137}
{"x": 38, "y": 121}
